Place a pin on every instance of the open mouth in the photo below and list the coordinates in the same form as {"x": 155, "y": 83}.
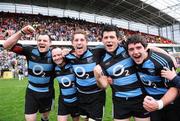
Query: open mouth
{"x": 58, "y": 61}
{"x": 41, "y": 46}
{"x": 109, "y": 45}
{"x": 79, "y": 48}
{"x": 137, "y": 56}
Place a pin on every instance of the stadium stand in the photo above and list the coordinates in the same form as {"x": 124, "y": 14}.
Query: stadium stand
{"x": 60, "y": 29}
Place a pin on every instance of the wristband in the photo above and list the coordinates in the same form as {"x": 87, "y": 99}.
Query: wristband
{"x": 22, "y": 32}
{"x": 160, "y": 104}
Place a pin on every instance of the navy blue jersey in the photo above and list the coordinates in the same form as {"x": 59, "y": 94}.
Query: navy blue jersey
{"x": 150, "y": 73}
{"x": 40, "y": 67}
{"x": 120, "y": 67}
{"x": 176, "y": 80}
{"x": 83, "y": 69}
{"x": 66, "y": 79}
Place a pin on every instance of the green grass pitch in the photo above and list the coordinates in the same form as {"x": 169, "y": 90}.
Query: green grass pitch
{"x": 12, "y": 93}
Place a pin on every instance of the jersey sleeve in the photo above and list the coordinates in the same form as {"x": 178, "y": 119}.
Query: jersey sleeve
{"x": 170, "y": 63}
{"x": 20, "y": 49}
{"x": 162, "y": 60}
{"x": 176, "y": 80}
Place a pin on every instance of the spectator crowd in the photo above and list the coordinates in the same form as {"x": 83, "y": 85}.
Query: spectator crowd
{"x": 60, "y": 29}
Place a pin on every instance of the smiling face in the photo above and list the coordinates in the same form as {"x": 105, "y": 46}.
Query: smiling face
{"x": 137, "y": 52}
{"x": 57, "y": 56}
{"x": 110, "y": 40}
{"x": 79, "y": 43}
{"x": 43, "y": 43}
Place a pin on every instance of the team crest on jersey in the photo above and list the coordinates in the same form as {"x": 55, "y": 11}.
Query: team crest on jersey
{"x": 33, "y": 57}
{"x": 90, "y": 59}
{"x": 151, "y": 71}
{"x": 124, "y": 54}
{"x": 57, "y": 72}
{"x": 108, "y": 63}
{"x": 72, "y": 61}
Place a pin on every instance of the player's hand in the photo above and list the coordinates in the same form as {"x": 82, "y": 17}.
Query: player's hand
{"x": 102, "y": 80}
{"x": 65, "y": 51}
{"x": 28, "y": 29}
{"x": 98, "y": 71}
{"x": 110, "y": 80}
{"x": 168, "y": 74}
{"x": 150, "y": 104}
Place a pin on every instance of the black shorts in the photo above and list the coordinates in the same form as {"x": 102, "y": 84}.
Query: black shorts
{"x": 169, "y": 113}
{"x": 65, "y": 109}
{"x": 38, "y": 101}
{"x": 95, "y": 107}
{"x": 124, "y": 108}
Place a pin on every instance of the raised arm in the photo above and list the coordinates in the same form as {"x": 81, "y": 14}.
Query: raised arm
{"x": 11, "y": 41}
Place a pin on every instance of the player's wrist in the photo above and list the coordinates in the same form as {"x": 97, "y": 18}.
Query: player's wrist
{"x": 22, "y": 32}
{"x": 160, "y": 104}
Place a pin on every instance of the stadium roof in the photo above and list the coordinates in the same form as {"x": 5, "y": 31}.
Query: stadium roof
{"x": 131, "y": 10}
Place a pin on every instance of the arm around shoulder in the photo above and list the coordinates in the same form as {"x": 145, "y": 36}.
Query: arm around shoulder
{"x": 160, "y": 50}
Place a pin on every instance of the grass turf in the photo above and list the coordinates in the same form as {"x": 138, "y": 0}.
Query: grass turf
{"x": 12, "y": 93}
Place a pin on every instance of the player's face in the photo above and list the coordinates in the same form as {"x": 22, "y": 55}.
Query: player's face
{"x": 43, "y": 43}
{"x": 137, "y": 52}
{"x": 57, "y": 56}
{"x": 80, "y": 44}
{"x": 110, "y": 41}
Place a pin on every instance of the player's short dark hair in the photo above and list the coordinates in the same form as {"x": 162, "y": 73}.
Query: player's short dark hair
{"x": 108, "y": 28}
{"x": 45, "y": 33}
{"x": 134, "y": 39}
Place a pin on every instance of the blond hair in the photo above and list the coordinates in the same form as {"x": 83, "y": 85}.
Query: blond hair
{"x": 80, "y": 31}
